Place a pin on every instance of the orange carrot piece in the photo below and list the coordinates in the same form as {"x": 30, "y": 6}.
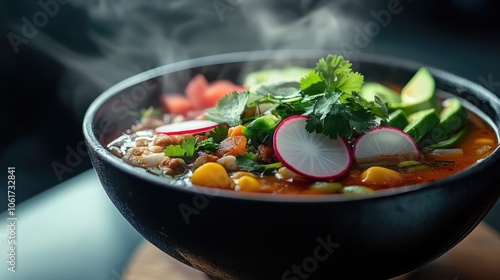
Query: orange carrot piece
{"x": 235, "y": 130}
{"x": 232, "y": 145}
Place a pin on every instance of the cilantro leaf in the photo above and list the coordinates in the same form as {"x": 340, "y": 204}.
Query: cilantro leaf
{"x": 208, "y": 145}
{"x": 189, "y": 146}
{"x": 335, "y": 108}
{"x": 331, "y": 68}
{"x": 229, "y": 109}
{"x": 350, "y": 82}
{"x": 248, "y": 162}
{"x": 174, "y": 151}
{"x": 312, "y": 84}
{"x": 186, "y": 150}
{"x": 219, "y": 133}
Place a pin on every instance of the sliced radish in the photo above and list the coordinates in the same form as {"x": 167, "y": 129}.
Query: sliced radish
{"x": 385, "y": 142}
{"x": 310, "y": 154}
{"x": 187, "y": 127}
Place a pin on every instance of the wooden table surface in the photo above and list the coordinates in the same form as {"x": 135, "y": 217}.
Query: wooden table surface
{"x": 476, "y": 257}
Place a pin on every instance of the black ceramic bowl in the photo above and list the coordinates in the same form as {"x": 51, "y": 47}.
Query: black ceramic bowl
{"x": 232, "y": 235}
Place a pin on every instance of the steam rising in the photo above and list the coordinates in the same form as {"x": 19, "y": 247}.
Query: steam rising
{"x": 133, "y": 36}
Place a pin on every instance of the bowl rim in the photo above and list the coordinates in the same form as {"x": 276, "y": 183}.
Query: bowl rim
{"x": 247, "y": 56}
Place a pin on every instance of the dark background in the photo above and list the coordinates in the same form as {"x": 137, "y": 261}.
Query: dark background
{"x": 82, "y": 47}
{"x": 51, "y": 73}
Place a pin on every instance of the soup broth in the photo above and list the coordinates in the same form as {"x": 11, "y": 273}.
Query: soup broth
{"x": 238, "y": 158}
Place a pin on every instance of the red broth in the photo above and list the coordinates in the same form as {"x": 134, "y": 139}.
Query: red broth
{"x": 479, "y": 142}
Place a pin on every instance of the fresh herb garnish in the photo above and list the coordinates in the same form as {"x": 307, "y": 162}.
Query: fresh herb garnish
{"x": 186, "y": 150}
{"x": 219, "y": 133}
{"x": 229, "y": 109}
{"x": 248, "y": 162}
{"x": 336, "y": 110}
{"x": 328, "y": 95}
{"x": 209, "y": 145}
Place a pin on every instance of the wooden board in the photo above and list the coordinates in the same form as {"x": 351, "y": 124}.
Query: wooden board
{"x": 476, "y": 257}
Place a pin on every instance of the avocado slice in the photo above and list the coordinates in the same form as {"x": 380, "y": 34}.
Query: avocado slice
{"x": 419, "y": 93}
{"x": 396, "y": 119}
{"x": 371, "y": 89}
{"x": 451, "y": 119}
{"x": 420, "y": 123}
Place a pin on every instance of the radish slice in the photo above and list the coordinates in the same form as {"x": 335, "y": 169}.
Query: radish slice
{"x": 310, "y": 154}
{"x": 387, "y": 142}
{"x": 187, "y": 127}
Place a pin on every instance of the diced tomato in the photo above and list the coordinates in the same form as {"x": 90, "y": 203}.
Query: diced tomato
{"x": 195, "y": 91}
{"x": 175, "y": 103}
{"x": 219, "y": 89}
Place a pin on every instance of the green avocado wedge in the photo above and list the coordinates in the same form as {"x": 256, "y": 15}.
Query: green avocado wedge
{"x": 371, "y": 89}
{"x": 419, "y": 93}
{"x": 396, "y": 119}
{"x": 450, "y": 142}
{"x": 451, "y": 119}
{"x": 420, "y": 123}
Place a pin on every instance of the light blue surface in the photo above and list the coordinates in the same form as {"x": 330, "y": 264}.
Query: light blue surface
{"x": 71, "y": 231}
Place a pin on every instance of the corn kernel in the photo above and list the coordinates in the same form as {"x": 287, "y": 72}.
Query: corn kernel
{"x": 212, "y": 175}
{"x": 381, "y": 176}
{"x": 248, "y": 184}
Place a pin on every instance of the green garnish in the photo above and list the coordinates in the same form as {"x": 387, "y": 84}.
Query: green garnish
{"x": 248, "y": 162}
{"x": 219, "y": 133}
{"x": 229, "y": 109}
{"x": 338, "y": 111}
{"x": 336, "y": 73}
{"x": 329, "y": 95}
{"x": 209, "y": 145}
{"x": 174, "y": 151}
{"x": 186, "y": 150}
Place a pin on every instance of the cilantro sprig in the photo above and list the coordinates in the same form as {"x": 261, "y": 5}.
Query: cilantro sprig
{"x": 191, "y": 144}
{"x": 328, "y": 95}
{"x": 229, "y": 109}
{"x": 334, "y": 107}
{"x": 186, "y": 150}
